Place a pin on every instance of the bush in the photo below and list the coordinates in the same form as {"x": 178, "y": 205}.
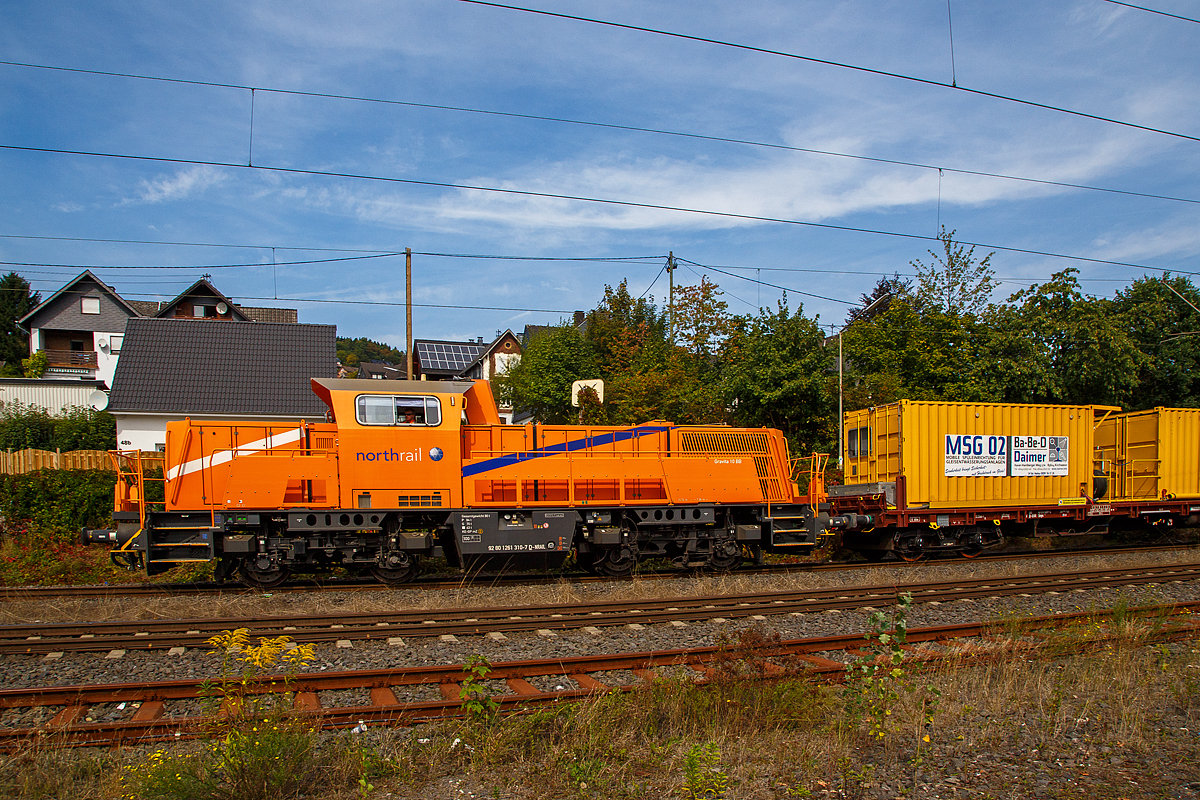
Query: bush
{"x": 57, "y": 499}
{"x": 23, "y": 427}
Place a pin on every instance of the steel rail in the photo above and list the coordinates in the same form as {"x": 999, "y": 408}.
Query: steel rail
{"x": 25, "y": 593}
{"x": 148, "y": 722}
{"x": 40, "y": 638}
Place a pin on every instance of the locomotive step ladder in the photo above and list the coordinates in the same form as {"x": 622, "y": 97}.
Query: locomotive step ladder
{"x": 791, "y": 526}
{"x": 178, "y": 538}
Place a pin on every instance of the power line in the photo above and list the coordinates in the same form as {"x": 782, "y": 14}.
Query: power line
{"x": 651, "y": 286}
{"x": 615, "y": 126}
{"x": 322, "y": 300}
{"x": 194, "y": 266}
{"x": 772, "y": 285}
{"x": 723, "y": 291}
{"x": 557, "y": 196}
{"x": 1153, "y": 11}
{"x": 375, "y": 254}
{"x": 827, "y": 62}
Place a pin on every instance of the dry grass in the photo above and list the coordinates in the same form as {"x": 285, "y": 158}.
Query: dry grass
{"x": 1117, "y": 722}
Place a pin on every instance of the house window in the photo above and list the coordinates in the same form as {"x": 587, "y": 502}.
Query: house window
{"x": 89, "y": 305}
{"x": 114, "y": 343}
{"x": 204, "y": 311}
{"x": 852, "y": 443}
{"x": 392, "y": 410}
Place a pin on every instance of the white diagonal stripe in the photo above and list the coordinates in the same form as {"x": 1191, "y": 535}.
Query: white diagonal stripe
{"x": 268, "y": 442}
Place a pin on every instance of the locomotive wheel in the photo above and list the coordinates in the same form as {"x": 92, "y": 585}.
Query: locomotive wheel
{"x": 616, "y": 562}
{"x": 257, "y": 578}
{"x": 725, "y": 556}
{"x": 394, "y": 576}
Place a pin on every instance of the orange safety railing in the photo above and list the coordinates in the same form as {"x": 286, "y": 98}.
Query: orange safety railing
{"x": 813, "y": 467}
{"x": 129, "y": 494}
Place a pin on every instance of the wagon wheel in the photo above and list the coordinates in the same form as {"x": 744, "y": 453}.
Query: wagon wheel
{"x": 911, "y": 556}
{"x": 401, "y": 568}
{"x": 971, "y": 551}
{"x": 257, "y": 578}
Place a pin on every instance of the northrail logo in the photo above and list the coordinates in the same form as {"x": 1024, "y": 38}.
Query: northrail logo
{"x": 392, "y": 455}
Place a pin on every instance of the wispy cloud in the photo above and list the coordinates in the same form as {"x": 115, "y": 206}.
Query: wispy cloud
{"x": 182, "y": 184}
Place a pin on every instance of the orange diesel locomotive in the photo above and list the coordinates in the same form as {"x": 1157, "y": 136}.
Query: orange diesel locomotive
{"x": 409, "y": 469}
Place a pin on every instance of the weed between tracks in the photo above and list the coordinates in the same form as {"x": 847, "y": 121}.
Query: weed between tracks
{"x": 1118, "y": 722}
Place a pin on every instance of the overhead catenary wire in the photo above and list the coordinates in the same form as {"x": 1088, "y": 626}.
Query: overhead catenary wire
{"x": 702, "y": 276}
{"x": 894, "y": 162}
{"x": 772, "y": 285}
{"x": 1152, "y": 11}
{"x": 557, "y": 196}
{"x": 603, "y": 259}
{"x": 241, "y": 298}
{"x": 614, "y": 126}
{"x": 838, "y": 64}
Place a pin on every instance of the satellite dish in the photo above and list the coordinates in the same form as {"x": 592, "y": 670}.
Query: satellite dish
{"x": 222, "y": 308}
{"x": 98, "y": 400}
{"x": 102, "y": 342}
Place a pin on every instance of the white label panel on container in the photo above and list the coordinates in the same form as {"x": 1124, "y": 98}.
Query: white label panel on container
{"x": 1038, "y": 456}
{"x": 986, "y": 456}
{"x": 976, "y": 455}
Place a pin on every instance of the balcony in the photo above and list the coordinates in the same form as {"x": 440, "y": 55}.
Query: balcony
{"x": 71, "y": 358}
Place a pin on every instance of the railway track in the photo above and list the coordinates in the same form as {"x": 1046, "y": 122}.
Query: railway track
{"x": 25, "y": 593}
{"x": 133, "y": 713}
{"x": 394, "y": 627}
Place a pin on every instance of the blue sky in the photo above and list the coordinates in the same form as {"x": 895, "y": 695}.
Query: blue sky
{"x": 1087, "y": 55}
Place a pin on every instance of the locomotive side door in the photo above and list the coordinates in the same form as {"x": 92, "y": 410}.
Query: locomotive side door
{"x": 401, "y": 451}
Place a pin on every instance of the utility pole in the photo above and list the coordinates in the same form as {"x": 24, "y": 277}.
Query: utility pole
{"x": 671, "y": 297}
{"x": 408, "y": 312}
{"x": 841, "y": 373}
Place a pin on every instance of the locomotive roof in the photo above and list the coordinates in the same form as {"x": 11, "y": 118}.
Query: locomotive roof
{"x": 391, "y": 387}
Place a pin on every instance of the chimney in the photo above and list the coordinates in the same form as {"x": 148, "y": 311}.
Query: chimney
{"x": 579, "y": 316}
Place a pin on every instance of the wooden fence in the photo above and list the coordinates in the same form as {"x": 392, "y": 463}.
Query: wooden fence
{"x": 30, "y": 460}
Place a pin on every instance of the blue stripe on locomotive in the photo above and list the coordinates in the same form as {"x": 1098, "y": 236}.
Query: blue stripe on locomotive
{"x": 500, "y": 462}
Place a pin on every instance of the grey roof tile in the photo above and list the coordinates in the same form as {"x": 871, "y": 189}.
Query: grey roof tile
{"x": 180, "y": 367}
{"x": 270, "y": 314}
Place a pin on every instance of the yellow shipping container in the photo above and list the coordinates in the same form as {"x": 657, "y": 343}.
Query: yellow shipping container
{"x": 975, "y": 455}
{"x": 1151, "y": 455}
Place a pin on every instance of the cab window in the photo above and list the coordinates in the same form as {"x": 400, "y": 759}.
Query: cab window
{"x": 375, "y": 409}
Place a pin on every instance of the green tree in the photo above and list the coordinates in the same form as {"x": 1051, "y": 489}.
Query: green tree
{"x": 917, "y": 352}
{"x": 617, "y": 318}
{"x": 353, "y": 351}
{"x": 776, "y": 375}
{"x": 1166, "y": 329}
{"x": 1088, "y": 353}
{"x": 541, "y": 381}
{"x": 953, "y": 281}
{"x": 16, "y": 300}
{"x": 702, "y": 319}
{"x": 880, "y": 298}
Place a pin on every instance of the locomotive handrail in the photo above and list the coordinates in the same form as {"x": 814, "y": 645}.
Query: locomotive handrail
{"x": 129, "y": 464}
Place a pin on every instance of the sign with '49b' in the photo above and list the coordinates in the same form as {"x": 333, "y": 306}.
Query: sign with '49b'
{"x": 981, "y": 455}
